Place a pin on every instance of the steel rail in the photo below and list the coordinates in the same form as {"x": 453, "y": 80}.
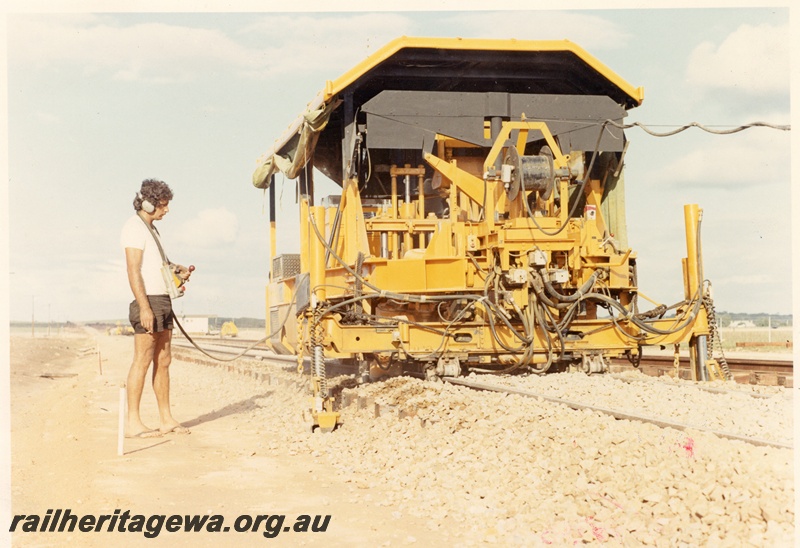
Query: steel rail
{"x": 287, "y": 362}
{"x": 268, "y": 356}
{"x": 616, "y": 413}
{"x": 734, "y": 362}
{"x": 711, "y": 389}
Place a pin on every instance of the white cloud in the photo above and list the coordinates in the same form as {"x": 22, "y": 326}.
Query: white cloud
{"x": 67, "y": 293}
{"x": 749, "y": 280}
{"x": 165, "y": 53}
{"x": 752, "y": 59}
{"x": 149, "y": 51}
{"x": 210, "y": 228}
{"x": 756, "y": 157}
{"x": 330, "y": 43}
{"x": 272, "y": 45}
{"x": 47, "y": 117}
{"x": 591, "y": 32}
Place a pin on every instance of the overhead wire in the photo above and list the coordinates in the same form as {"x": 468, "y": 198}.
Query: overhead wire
{"x": 697, "y": 125}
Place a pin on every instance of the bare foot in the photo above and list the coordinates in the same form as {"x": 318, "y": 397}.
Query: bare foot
{"x": 175, "y": 429}
{"x": 139, "y": 430}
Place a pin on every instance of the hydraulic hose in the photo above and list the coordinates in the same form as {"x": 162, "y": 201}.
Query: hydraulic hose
{"x": 574, "y": 297}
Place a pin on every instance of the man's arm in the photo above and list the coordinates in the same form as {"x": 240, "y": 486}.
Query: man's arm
{"x": 133, "y": 259}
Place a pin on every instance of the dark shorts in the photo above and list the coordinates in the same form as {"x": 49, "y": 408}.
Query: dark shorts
{"x": 162, "y": 310}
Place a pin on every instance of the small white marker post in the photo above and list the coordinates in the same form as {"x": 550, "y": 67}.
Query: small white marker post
{"x": 121, "y": 430}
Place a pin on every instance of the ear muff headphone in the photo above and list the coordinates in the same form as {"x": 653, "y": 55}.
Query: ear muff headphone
{"x": 147, "y": 207}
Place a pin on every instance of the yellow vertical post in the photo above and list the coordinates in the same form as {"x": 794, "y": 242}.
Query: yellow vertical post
{"x": 694, "y": 278}
{"x": 522, "y": 140}
{"x": 330, "y": 218}
{"x": 594, "y": 196}
{"x": 394, "y": 243}
{"x": 490, "y": 206}
{"x": 304, "y": 231}
{"x": 408, "y": 243}
{"x": 455, "y": 209}
{"x": 394, "y": 196}
{"x": 407, "y": 208}
{"x": 564, "y": 193}
{"x": 273, "y": 241}
{"x": 317, "y": 254}
{"x": 421, "y": 191}
{"x": 691, "y": 215}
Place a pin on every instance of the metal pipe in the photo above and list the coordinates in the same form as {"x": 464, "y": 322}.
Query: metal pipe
{"x": 384, "y": 245}
{"x": 701, "y": 351}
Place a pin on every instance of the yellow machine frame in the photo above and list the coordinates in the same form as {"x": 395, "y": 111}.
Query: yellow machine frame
{"x": 508, "y": 277}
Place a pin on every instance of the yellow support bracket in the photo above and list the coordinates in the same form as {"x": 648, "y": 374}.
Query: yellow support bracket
{"x": 467, "y": 183}
{"x": 559, "y": 159}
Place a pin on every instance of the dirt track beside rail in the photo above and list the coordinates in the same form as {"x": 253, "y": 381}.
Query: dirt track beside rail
{"x": 479, "y": 468}
{"x": 64, "y": 454}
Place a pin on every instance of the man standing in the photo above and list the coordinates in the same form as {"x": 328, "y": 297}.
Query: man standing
{"x": 150, "y": 312}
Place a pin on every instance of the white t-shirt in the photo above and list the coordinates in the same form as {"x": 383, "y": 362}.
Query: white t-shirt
{"x": 136, "y": 235}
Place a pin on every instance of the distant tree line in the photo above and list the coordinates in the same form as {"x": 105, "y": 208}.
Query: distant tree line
{"x": 759, "y": 320}
{"x": 241, "y": 323}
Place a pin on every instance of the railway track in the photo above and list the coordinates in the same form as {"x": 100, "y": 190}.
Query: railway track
{"x": 617, "y": 413}
{"x": 654, "y": 366}
{"x": 734, "y": 363}
{"x": 768, "y": 370}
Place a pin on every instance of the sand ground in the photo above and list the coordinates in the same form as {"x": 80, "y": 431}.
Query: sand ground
{"x": 64, "y": 432}
{"x": 480, "y": 471}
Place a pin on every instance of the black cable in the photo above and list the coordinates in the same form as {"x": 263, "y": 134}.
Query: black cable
{"x": 585, "y": 288}
{"x": 736, "y": 129}
{"x": 246, "y": 350}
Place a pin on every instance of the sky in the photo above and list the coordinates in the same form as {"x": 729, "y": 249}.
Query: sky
{"x": 100, "y": 100}
{"x": 100, "y": 96}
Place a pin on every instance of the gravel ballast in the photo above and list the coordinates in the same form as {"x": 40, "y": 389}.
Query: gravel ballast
{"x": 492, "y": 467}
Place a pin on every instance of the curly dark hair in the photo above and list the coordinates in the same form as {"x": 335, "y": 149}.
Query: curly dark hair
{"x": 154, "y": 191}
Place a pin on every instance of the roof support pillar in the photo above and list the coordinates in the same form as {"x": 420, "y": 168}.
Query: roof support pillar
{"x": 349, "y": 137}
